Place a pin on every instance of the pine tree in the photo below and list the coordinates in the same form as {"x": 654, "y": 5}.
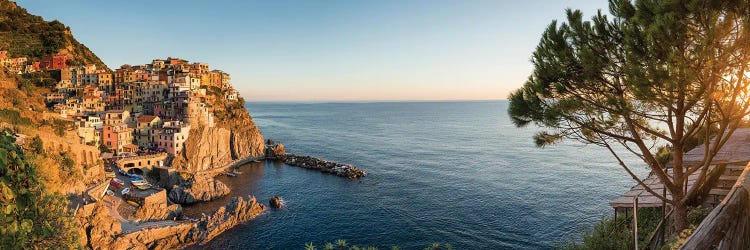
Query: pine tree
{"x": 655, "y": 73}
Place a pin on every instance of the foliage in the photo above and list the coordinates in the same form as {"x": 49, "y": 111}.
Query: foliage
{"x": 45, "y": 79}
{"x": 26, "y": 35}
{"x": 58, "y": 125}
{"x": 31, "y": 217}
{"x": 655, "y": 73}
{"x": 13, "y": 117}
{"x": 66, "y": 163}
{"x": 36, "y": 145}
{"x": 615, "y": 233}
{"x": 104, "y": 149}
{"x": 343, "y": 244}
{"x": 679, "y": 239}
{"x": 697, "y": 214}
{"x": 309, "y": 246}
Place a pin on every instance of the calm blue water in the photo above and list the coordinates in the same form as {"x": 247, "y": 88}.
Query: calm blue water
{"x": 448, "y": 172}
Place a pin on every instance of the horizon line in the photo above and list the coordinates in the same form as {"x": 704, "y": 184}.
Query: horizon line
{"x": 371, "y": 101}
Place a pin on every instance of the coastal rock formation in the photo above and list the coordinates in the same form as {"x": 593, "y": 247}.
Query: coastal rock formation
{"x": 232, "y": 136}
{"x": 102, "y": 231}
{"x": 276, "y": 202}
{"x": 274, "y": 150}
{"x": 200, "y": 187}
{"x": 324, "y": 166}
{"x": 158, "y": 211}
{"x": 98, "y": 227}
{"x": 237, "y": 211}
{"x": 168, "y": 237}
{"x": 279, "y": 149}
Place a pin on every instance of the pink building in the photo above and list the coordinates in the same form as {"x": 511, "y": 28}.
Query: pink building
{"x": 172, "y": 136}
{"x": 116, "y": 136}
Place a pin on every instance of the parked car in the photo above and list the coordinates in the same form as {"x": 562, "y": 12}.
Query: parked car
{"x": 125, "y": 191}
{"x": 110, "y": 193}
{"x": 117, "y": 183}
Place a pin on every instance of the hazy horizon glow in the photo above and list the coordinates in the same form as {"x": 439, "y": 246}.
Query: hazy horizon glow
{"x": 327, "y": 50}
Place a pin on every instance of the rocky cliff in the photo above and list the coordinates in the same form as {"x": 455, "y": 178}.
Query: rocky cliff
{"x": 102, "y": 231}
{"x": 98, "y": 227}
{"x": 233, "y": 136}
{"x": 200, "y": 187}
{"x": 237, "y": 211}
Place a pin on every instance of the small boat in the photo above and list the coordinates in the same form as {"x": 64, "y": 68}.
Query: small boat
{"x": 231, "y": 174}
{"x": 142, "y": 186}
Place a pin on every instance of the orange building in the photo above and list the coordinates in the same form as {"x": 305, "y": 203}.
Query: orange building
{"x": 54, "y": 62}
{"x": 105, "y": 78}
{"x": 116, "y": 136}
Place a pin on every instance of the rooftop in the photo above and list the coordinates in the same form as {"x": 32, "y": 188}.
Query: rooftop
{"x": 146, "y": 118}
{"x": 735, "y": 153}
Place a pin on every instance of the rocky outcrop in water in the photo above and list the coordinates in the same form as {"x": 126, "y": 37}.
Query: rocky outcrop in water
{"x": 324, "y": 166}
{"x": 200, "y": 187}
{"x": 276, "y": 202}
{"x": 237, "y": 211}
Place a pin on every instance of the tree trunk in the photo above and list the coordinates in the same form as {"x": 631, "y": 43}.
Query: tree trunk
{"x": 679, "y": 217}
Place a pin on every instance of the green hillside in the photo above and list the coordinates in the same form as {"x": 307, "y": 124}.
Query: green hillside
{"x": 26, "y": 35}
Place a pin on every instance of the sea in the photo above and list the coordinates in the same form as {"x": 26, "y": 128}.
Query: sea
{"x": 438, "y": 172}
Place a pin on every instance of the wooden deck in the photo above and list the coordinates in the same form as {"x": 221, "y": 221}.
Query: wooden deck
{"x": 735, "y": 155}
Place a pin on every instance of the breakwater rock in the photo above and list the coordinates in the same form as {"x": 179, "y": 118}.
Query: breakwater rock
{"x": 324, "y": 166}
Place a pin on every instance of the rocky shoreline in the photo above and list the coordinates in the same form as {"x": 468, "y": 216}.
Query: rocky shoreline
{"x": 101, "y": 231}
{"x": 324, "y": 166}
{"x": 158, "y": 222}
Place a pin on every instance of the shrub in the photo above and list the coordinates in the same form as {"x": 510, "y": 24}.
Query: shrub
{"x": 36, "y": 145}
{"x": 31, "y": 217}
{"x": 14, "y": 117}
{"x": 614, "y": 233}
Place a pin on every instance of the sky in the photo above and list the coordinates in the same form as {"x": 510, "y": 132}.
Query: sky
{"x": 327, "y": 50}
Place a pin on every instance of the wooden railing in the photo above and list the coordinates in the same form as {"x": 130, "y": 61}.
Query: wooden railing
{"x": 728, "y": 224}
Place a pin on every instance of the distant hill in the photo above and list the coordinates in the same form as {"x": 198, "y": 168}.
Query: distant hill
{"x": 26, "y": 35}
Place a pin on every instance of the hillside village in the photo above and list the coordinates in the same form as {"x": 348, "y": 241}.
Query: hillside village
{"x": 135, "y": 107}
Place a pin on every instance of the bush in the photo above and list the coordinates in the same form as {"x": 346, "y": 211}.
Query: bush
{"x": 36, "y": 145}
{"x": 14, "y": 117}
{"x": 615, "y": 233}
{"x": 66, "y": 163}
{"x": 697, "y": 214}
{"x": 31, "y": 217}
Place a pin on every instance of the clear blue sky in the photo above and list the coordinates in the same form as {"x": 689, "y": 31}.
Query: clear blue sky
{"x": 327, "y": 50}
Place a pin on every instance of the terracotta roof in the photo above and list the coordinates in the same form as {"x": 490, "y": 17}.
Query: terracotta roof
{"x": 146, "y": 118}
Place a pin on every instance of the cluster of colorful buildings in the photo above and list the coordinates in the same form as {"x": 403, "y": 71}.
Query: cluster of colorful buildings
{"x": 139, "y": 107}
{"x": 20, "y": 65}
